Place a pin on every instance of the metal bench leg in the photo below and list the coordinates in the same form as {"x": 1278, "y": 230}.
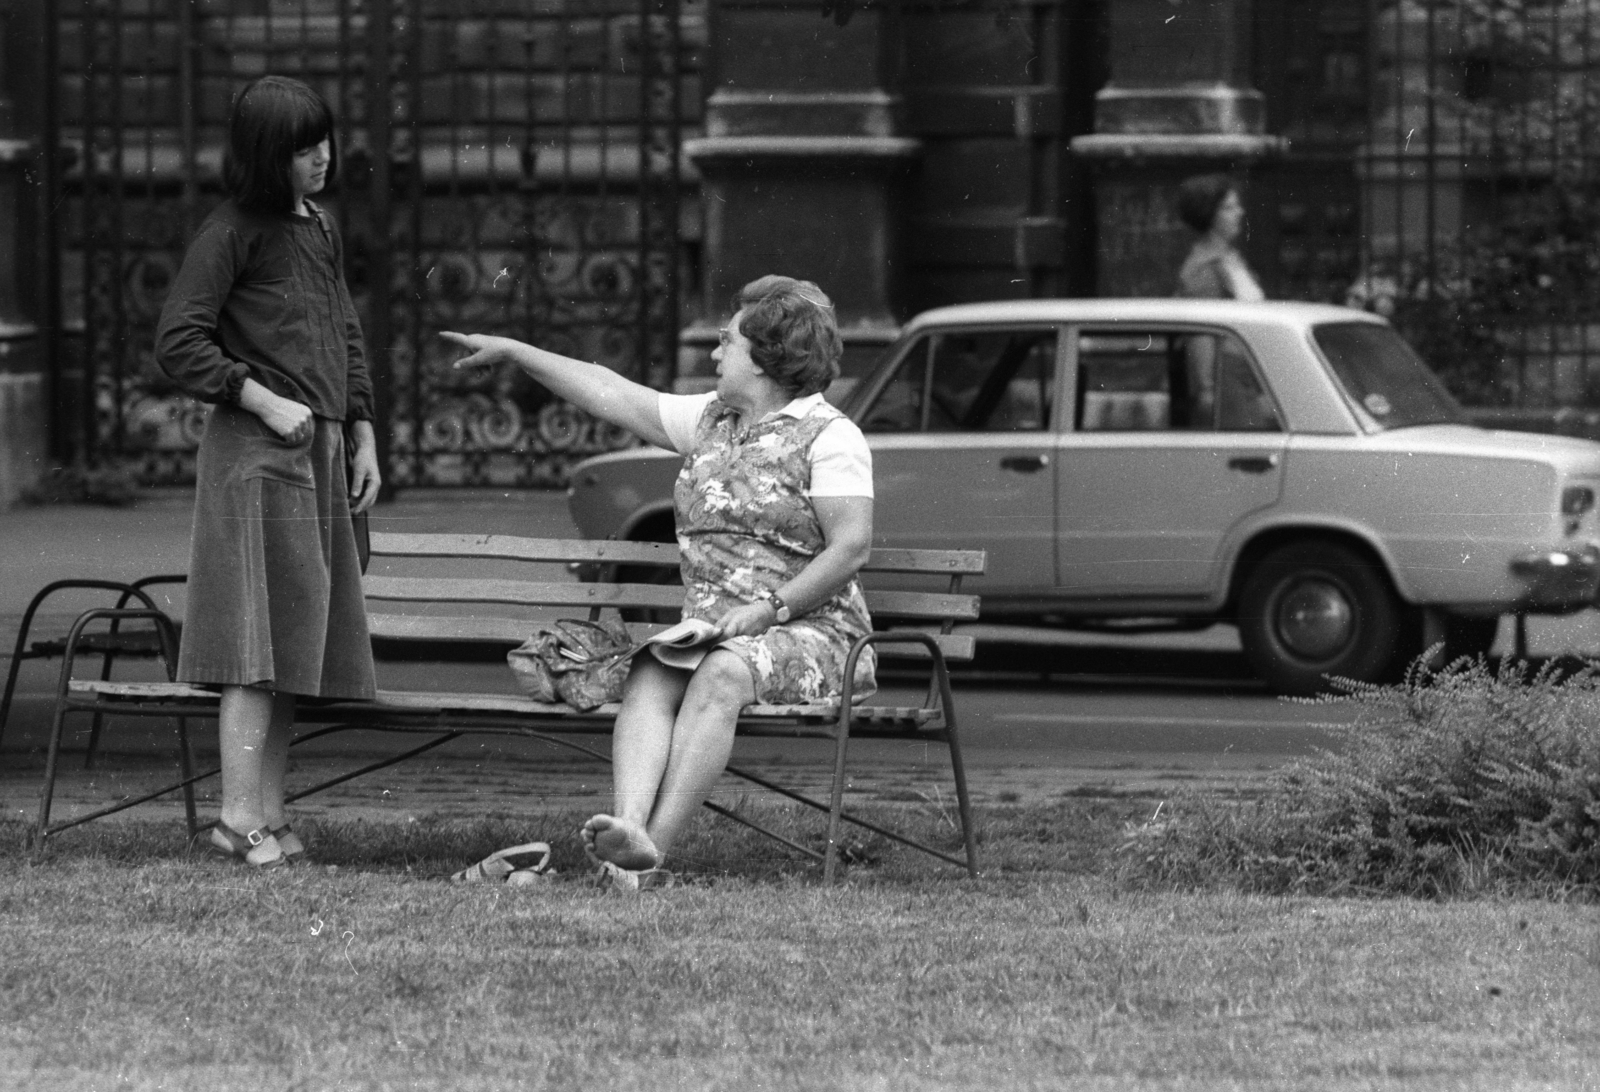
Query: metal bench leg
{"x": 963, "y": 802}
{"x": 17, "y": 656}
{"x": 830, "y": 862}
{"x": 47, "y": 790}
{"x": 186, "y": 771}
{"x": 11, "y": 682}
{"x": 98, "y": 721}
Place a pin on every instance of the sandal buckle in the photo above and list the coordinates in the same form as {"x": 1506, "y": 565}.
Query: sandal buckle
{"x": 255, "y": 838}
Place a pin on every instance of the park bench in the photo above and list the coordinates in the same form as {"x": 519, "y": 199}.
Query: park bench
{"x": 914, "y": 595}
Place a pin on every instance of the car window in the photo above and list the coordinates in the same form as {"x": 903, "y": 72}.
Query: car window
{"x": 1384, "y": 376}
{"x": 969, "y": 381}
{"x": 1166, "y": 380}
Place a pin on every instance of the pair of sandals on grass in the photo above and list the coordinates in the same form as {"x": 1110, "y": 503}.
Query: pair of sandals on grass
{"x": 528, "y": 864}
{"x": 514, "y": 866}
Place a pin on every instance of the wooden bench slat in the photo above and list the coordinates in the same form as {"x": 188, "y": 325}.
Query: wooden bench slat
{"x": 452, "y": 628}
{"x": 914, "y": 604}
{"x": 136, "y": 690}
{"x": 523, "y": 593}
{"x": 516, "y": 548}
{"x": 530, "y": 593}
{"x": 561, "y": 550}
{"x": 946, "y": 562}
{"x": 419, "y": 701}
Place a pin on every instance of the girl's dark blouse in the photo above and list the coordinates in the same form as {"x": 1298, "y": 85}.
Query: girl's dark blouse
{"x": 262, "y": 296}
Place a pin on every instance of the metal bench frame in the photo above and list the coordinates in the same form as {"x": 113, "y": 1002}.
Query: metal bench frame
{"x": 109, "y": 645}
{"x": 448, "y": 716}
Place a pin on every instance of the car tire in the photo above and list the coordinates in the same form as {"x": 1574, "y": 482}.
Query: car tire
{"x": 1309, "y": 610}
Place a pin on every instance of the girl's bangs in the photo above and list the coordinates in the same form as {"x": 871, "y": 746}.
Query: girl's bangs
{"x": 310, "y": 124}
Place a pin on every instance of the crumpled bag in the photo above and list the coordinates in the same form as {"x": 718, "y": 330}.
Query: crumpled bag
{"x": 573, "y": 660}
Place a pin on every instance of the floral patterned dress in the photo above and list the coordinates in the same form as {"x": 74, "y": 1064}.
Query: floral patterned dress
{"x": 745, "y": 527}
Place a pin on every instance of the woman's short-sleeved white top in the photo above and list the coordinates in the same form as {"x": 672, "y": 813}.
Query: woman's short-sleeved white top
{"x": 841, "y": 462}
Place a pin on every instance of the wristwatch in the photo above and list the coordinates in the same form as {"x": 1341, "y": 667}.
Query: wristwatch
{"x": 780, "y": 608}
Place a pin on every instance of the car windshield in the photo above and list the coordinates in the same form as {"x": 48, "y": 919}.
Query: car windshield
{"x": 1384, "y": 376}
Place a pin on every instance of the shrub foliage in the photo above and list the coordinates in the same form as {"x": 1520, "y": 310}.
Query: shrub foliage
{"x": 1467, "y": 780}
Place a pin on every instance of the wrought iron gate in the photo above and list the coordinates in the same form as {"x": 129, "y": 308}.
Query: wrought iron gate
{"x": 531, "y": 187}
{"x": 1445, "y": 170}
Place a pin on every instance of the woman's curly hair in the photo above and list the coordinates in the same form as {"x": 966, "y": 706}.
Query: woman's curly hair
{"x": 793, "y": 333}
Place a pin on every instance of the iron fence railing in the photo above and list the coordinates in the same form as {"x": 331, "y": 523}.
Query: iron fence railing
{"x": 1444, "y": 172}
{"x": 507, "y": 167}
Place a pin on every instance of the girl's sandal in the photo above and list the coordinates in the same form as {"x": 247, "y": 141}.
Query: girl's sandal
{"x": 289, "y": 842}
{"x": 258, "y": 848}
{"x": 532, "y": 858}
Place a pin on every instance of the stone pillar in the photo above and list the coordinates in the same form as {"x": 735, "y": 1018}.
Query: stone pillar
{"x": 23, "y": 403}
{"x": 1179, "y": 102}
{"x": 799, "y": 168}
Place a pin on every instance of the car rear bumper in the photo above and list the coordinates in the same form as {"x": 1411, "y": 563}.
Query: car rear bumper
{"x": 1558, "y": 580}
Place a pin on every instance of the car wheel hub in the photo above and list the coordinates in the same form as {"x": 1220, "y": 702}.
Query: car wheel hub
{"x": 1315, "y": 619}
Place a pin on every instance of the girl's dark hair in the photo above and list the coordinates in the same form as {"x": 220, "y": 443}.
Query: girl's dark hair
{"x": 273, "y": 118}
{"x": 1201, "y": 195}
{"x": 793, "y": 333}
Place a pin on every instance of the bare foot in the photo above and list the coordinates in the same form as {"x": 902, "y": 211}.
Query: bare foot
{"x": 623, "y": 843}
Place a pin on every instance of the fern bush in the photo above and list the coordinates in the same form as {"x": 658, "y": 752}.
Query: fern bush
{"x": 1461, "y": 781}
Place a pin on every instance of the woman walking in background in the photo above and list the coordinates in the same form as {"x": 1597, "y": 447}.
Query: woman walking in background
{"x": 260, "y": 324}
{"x": 1214, "y": 269}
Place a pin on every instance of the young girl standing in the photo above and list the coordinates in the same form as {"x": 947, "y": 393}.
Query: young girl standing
{"x": 260, "y": 323}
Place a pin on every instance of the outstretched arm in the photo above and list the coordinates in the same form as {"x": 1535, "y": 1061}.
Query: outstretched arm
{"x": 593, "y": 388}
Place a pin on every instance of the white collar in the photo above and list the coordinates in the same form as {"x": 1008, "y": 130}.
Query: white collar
{"x": 800, "y": 407}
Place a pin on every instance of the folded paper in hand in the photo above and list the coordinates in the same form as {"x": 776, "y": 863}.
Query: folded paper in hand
{"x": 683, "y": 645}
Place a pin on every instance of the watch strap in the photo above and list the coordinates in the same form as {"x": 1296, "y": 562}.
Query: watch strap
{"x": 780, "y": 609}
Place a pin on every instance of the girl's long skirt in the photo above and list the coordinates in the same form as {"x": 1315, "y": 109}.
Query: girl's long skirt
{"x": 274, "y": 595}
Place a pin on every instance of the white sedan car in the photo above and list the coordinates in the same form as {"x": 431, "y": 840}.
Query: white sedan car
{"x": 1293, "y": 469}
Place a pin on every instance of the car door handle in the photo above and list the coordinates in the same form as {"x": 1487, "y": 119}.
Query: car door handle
{"x": 1025, "y": 464}
{"x": 1253, "y": 464}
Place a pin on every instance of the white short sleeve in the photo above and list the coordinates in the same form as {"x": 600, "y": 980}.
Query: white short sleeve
{"x": 841, "y": 462}
{"x": 680, "y": 416}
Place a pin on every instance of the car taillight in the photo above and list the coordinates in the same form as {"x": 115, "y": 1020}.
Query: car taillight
{"x": 1576, "y": 500}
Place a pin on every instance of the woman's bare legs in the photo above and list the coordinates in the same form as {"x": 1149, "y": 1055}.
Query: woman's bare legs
{"x": 702, "y": 740}
{"x": 244, "y": 724}
{"x": 641, "y": 743}
{"x": 672, "y": 740}
{"x": 275, "y": 767}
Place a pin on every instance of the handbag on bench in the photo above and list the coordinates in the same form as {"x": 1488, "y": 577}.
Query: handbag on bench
{"x": 573, "y": 660}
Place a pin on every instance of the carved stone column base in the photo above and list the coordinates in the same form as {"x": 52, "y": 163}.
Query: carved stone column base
{"x": 24, "y": 441}
{"x": 821, "y": 208}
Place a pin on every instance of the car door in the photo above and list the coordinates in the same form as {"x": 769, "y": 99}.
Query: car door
{"x": 1174, "y": 440}
{"x": 963, "y": 451}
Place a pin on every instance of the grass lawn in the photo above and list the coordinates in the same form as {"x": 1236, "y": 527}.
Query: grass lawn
{"x": 124, "y": 964}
